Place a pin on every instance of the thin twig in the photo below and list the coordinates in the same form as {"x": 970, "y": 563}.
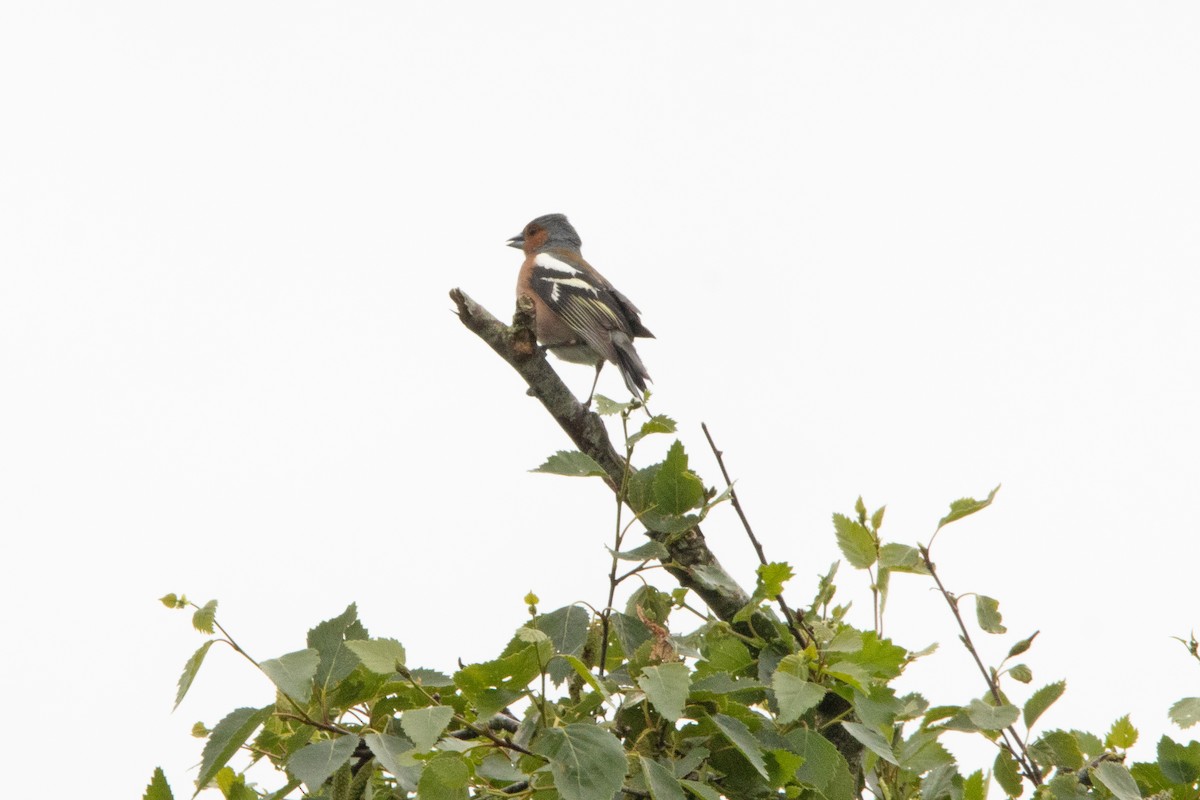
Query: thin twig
{"x": 1027, "y": 763}
{"x": 793, "y": 618}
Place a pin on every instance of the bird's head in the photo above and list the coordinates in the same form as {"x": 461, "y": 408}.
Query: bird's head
{"x": 549, "y": 230}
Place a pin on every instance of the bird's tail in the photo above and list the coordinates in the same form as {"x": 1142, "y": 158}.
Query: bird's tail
{"x": 631, "y": 366}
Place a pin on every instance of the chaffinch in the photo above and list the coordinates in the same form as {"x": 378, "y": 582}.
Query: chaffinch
{"x": 580, "y": 317}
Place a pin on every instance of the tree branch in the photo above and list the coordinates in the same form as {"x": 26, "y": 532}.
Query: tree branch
{"x": 690, "y": 562}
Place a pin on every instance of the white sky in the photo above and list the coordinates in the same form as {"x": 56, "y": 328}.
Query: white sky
{"x": 904, "y": 250}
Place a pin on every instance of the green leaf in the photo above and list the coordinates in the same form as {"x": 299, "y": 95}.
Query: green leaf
{"x": 872, "y": 740}
{"x": 676, "y": 488}
{"x": 1004, "y": 770}
{"x": 659, "y": 423}
{"x": 702, "y": 791}
{"x": 1186, "y": 712}
{"x": 794, "y": 693}
{"x": 824, "y": 768}
{"x": 227, "y": 737}
{"x": 1066, "y": 786}
{"x": 329, "y": 639}
{"x": 1023, "y": 645}
{"x": 877, "y": 518}
{"x": 1089, "y": 743}
{"x": 966, "y": 507}
{"x": 661, "y": 781}
{"x": 567, "y": 628}
{"x": 1117, "y": 780}
{"x": 582, "y": 671}
{"x": 586, "y": 761}
{"x": 923, "y": 752}
{"x": 315, "y": 762}
{"x": 666, "y": 687}
{"x": 1058, "y": 749}
{"x": 572, "y": 464}
{"x": 974, "y": 786}
{"x": 1021, "y": 672}
{"x": 172, "y": 600}
{"x": 1121, "y": 735}
{"x": 606, "y": 407}
{"x": 389, "y": 750}
{"x": 158, "y": 788}
{"x": 740, "y": 737}
{"x": 902, "y": 558}
{"x": 1179, "y": 763}
{"x": 646, "y": 552}
{"x": 189, "y": 671}
{"x": 856, "y": 542}
{"x": 293, "y": 673}
{"x": 987, "y": 611}
{"x": 1042, "y": 699}
{"x": 939, "y": 782}
{"x": 445, "y": 777}
{"x": 381, "y": 656}
{"x": 992, "y": 718}
{"x": 425, "y": 725}
{"x": 771, "y": 578}
{"x": 205, "y": 617}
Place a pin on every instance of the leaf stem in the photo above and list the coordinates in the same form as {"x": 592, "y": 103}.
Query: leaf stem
{"x": 795, "y": 619}
{"x": 1028, "y": 766}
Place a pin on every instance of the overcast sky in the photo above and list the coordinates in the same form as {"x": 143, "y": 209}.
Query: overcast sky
{"x": 908, "y": 251}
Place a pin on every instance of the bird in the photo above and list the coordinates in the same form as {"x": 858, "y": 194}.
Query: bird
{"x": 579, "y": 315}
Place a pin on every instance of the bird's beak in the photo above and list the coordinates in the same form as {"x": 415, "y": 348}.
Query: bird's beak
{"x": 517, "y": 241}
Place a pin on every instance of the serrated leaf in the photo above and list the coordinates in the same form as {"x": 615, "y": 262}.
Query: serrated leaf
{"x": 992, "y": 718}
{"x": 794, "y": 693}
{"x": 1186, "y": 712}
{"x": 315, "y": 762}
{"x": 205, "y": 617}
{"x": 1023, "y": 645}
{"x": 872, "y": 740}
{"x": 329, "y": 639}
{"x": 659, "y": 423}
{"x": 966, "y": 507}
{"x": 425, "y": 725}
{"x": 939, "y": 782}
{"x": 661, "y": 782}
{"x": 293, "y": 673}
{"x": 1004, "y": 770}
{"x": 676, "y": 488}
{"x": 158, "y": 788}
{"x": 702, "y": 791}
{"x": 666, "y": 687}
{"x": 445, "y": 777}
{"x": 987, "y": 612}
{"x": 227, "y": 737}
{"x": 741, "y": 738}
{"x": 582, "y": 671}
{"x": 877, "y": 518}
{"x": 1042, "y": 699}
{"x": 586, "y": 761}
{"x": 388, "y": 749}
{"x": 170, "y": 600}
{"x": 771, "y": 578}
{"x": 572, "y": 464}
{"x": 902, "y": 558}
{"x": 1122, "y": 734}
{"x": 1059, "y": 749}
{"x": 1021, "y": 672}
{"x": 974, "y": 786}
{"x": 381, "y": 656}
{"x": 607, "y": 407}
{"x": 645, "y": 552}
{"x": 824, "y": 768}
{"x": 1117, "y": 780}
{"x": 855, "y": 541}
{"x": 189, "y": 671}
{"x": 1179, "y": 763}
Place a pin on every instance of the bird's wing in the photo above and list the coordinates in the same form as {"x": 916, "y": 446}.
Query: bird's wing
{"x": 583, "y": 299}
